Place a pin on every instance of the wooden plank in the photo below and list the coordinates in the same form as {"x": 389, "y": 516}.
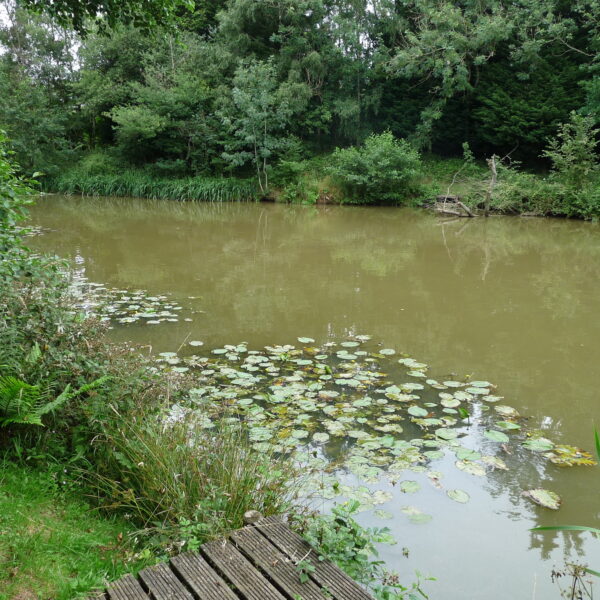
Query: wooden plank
{"x": 201, "y": 578}
{"x": 326, "y": 574}
{"x": 279, "y": 567}
{"x": 239, "y": 571}
{"x": 126, "y": 588}
{"x": 163, "y": 584}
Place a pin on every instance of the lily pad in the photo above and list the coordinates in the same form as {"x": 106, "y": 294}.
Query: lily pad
{"x": 544, "y": 498}
{"x": 496, "y": 436}
{"x": 417, "y": 411}
{"x": 539, "y": 444}
{"x": 409, "y": 487}
{"x": 458, "y": 496}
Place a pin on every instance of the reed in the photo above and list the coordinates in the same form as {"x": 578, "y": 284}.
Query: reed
{"x": 140, "y": 185}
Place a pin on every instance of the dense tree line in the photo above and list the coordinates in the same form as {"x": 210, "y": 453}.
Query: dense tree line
{"x": 231, "y": 87}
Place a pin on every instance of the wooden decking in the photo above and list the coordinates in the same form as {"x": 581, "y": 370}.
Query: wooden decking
{"x": 257, "y": 562}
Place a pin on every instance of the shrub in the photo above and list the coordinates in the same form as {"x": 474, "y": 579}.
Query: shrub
{"x": 384, "y": 169}
{"x": 573, "y": 151}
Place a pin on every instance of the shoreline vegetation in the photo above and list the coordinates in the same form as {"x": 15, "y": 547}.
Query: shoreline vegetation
{"x": 384, "y": 171}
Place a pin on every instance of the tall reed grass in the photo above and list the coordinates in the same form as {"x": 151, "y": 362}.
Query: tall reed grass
{"x": 140, "y": 185}
{"x": 184, "y": 484}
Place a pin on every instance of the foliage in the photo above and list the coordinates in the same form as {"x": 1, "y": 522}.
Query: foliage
{"x": 384, "y": 169}
{"x": 261, "y": 112}
{"x": 572, "y": 151}
{"x": 339, "y": 538}
{"x": 140, "y": 185}
{"x": 108, "y": 13}
{"x": 15, "y": 195}
{"x": 186, "y": 488}
{"x": 242, "y": 79}
{"x": 24, "y": 404}
{"x": 53, "y": 545}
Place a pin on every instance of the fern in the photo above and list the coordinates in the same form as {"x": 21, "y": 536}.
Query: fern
{"x": 19, "y": 402}
{"x": 25, "y": 404}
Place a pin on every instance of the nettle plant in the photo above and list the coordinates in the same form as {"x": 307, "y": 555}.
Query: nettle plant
{"x": 341, "y": 539}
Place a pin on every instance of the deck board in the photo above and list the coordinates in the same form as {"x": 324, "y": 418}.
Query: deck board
{"x": 279, "y": 567}
{"x": 163, "y": 584}
{"x": 126, "y": 588}
{"x": 251, "y": 584}
{"x": 201, "y": 578}
{"x": 258, "y": 562}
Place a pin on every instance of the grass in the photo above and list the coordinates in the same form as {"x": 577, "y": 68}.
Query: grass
{"x": 52, "y": 545}
{"x": 183, "y": 484}
{"x": 137, "y": 184}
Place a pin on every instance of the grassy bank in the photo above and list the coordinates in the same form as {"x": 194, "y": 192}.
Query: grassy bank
{"x": 138, "y": 184}
{"x": 513, "y": 192}
{"x": 53, "y": 545}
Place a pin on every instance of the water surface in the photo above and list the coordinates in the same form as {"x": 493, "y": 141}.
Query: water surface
{"x": 511, "y": 300}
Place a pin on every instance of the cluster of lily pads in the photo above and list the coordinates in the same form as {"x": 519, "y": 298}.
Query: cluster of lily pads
{"x": 362, "y": 409}
{"x": 125, "y": 306}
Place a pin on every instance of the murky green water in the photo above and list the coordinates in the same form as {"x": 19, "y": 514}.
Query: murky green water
{"x": 513, "y": 301}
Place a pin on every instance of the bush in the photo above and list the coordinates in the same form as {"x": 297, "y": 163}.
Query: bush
{"x": 573, "y": 152}
{"x": 383, "y": 170}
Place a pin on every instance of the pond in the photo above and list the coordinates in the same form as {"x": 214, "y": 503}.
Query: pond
{"x": 513, "y": 301}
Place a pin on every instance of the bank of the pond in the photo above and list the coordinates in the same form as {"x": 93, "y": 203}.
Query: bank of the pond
{"x": 511, "y": 191}
{"x": 53, "y": 543}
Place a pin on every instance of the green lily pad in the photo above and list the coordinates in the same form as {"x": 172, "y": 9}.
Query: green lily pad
{"x": 417, "y": 411}
{"x": 508, "y": 425}
{"x": 544, "y": 498}
{"x": 409, "y": 487}
{"x": 496, "y": 436}
{"x": 538, "y": 444}
{"x": 458, "y": 496}
{"x": 470, "y": 467}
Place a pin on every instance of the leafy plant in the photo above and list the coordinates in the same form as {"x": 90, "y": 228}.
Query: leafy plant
{"x": 384, "y": 169}
{"x": 339, "y": 538}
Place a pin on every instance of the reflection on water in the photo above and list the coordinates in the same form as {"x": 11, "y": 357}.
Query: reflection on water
{"x": 509, "y": 300}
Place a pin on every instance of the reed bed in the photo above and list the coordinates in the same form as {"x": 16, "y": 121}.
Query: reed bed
{"x": 139, "y": 185}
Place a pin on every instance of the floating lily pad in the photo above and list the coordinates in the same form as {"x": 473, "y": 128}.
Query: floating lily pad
{"x": 472, "y": 468}
{"x": 544, "y": 498}
{"x": 570, "y": 456}
{"x": 417, "y": 411}
{"x": 409, "y": 487}
{"x": 539, "y": 444}
{"x": 458, "y": 496}
{"x": 496, "y": 436}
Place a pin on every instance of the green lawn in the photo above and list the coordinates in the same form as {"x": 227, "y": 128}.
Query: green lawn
{"x": 52, "y": 545}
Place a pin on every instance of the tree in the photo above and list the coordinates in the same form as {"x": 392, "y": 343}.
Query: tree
{"x": 261, "y": 111}
{"x": 78, "y": 14}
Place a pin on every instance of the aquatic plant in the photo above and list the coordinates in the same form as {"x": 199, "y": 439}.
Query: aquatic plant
{"x": 139, "y": 185}
{"x": 382, "y": 416}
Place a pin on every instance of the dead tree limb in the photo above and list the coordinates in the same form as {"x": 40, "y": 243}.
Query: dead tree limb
{"x": 488, "y": 195}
